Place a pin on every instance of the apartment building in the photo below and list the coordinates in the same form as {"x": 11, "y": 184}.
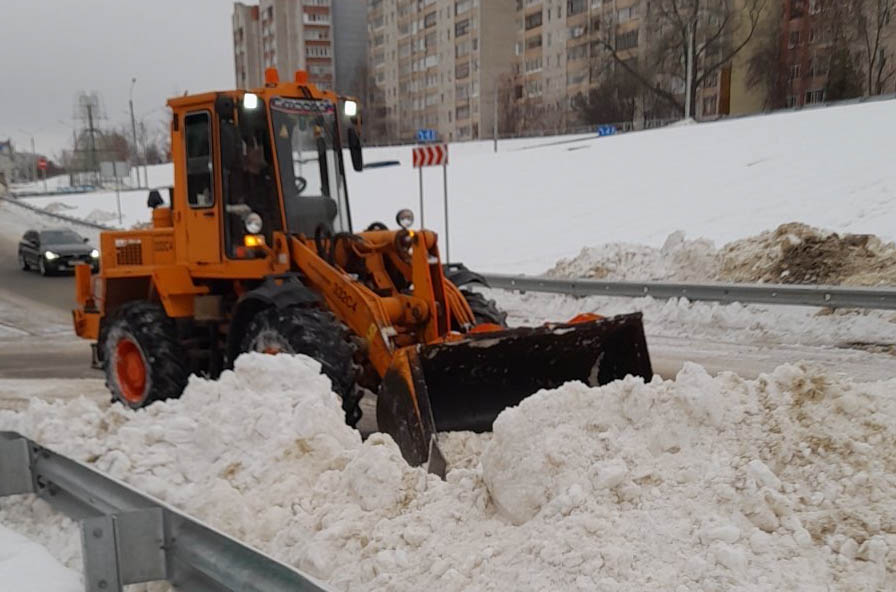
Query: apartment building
{"x": 437, "y": 64}
{"x": 561, "y": 51}
{"x": 291, "y": 35}
{"x": 809, "y": 29}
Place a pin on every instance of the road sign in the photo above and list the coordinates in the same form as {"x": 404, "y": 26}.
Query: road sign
{"x": 435, "y": 155}
{"x": 606, "y": 130}
{"x": 119, "y": 169}
{"x": 42, "y": 164}
{"x": 426, "y": 135}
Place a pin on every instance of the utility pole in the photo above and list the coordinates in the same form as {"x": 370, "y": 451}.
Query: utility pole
{"x": 145, "y": 170}
{"x": 495, "y": 115}
{"x": 689, "y": 83}
{"x": 92, "y": 145}
{"x": 134, "y": 132}
{"x": 33, "y": 160}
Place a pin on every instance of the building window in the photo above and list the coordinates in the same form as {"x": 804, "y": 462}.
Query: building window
{"x": 790, "y": 102}
{"x": 533, "y": 20}
{"x": 462, "y": 28}
{"x": 794, "y": 39}
{"x": 627, "y": 40}
{"x": 462, "y": 70}
{"x": 574, "y": 7}
{"x": 463, "y": 112}
{"x": 794, "y": 72}
{"x": 430, "y": 20}
{"x": 533, "y": 42}
{"x": 624, "y": 15}
{"x": 533, "y": 65}
{"x": 709, "y": 105}
{"x": 815, "y": 96}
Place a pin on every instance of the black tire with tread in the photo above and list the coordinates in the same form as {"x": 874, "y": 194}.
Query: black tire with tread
{"x": 484, "y": 310}
{"x": 316, "y": 334}
{"x": 154, "y": 331}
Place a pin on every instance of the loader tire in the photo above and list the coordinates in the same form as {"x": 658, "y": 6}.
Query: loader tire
{"x": 316, "y": 334}
{"x": 484, "y": 310}
{"x": 142, "y": 357}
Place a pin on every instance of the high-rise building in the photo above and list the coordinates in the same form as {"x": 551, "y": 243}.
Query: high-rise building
{"x": 246, "y": 45}
{"x": 290, "y": 35}
{"x": 437, "y": 64}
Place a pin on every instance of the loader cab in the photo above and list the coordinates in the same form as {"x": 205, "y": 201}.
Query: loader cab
{"x": 249, "y": 164}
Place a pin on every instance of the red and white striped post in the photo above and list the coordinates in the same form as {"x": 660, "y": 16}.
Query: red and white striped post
{"x": 434, "y": 155}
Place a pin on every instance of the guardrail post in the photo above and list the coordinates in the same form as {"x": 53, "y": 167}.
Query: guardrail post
{"x": 123, "y": 548}
{"x": 15, "y": 467}
{"x": 100, "y": 555}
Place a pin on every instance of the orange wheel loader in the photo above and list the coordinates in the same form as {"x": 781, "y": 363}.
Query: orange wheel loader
{"x": 255, "y": 252}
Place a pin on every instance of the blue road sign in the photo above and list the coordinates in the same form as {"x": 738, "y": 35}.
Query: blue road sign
{"x": 426, "y": 135}
{"x": 606, "y": 130}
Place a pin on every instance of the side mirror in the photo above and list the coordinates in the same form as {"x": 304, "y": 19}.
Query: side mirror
{"x": 85, "y": 240}
{"x": 354, "y": 148}
{"x": 155, "y": 200}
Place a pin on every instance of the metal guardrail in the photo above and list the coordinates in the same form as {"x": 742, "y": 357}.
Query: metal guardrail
{"x": 128, "y": 537}
{"x": 69, "y": 219}
{"x": 795, "y": 295}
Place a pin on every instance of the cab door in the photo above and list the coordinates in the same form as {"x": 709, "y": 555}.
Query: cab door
{"x": 202, "y": 228}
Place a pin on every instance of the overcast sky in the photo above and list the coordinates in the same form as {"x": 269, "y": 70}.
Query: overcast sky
{"x": 52, "y": 49}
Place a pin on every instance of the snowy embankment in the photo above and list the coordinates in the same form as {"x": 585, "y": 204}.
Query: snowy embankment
{"x": 522, "y": 209}
{"x": 701, "y": 483}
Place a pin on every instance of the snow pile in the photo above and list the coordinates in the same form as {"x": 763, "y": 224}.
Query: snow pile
{"x": 792, "y": 254}
{"x": 57, "y": 207}
{"x": 701, "y": 483}
{"x": 25, "y": 565}
{"x": 678, "y": 259}
{"x": 799, "y": 254}
{"x": 100, "y": 216}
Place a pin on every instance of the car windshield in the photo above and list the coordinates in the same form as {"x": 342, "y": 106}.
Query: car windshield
{"x": 313, "y": 190}
{"x": 59, "y": 237}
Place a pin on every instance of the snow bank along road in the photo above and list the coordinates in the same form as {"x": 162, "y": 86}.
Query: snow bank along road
{"x": 700, "y": 483}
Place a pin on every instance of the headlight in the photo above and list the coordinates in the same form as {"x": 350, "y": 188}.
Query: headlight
{"x": 50, "y": 255}
{"x": 95, "y": 254}
{"x": 253, "y": 223}
{"x": 405, "y": 218}
{"x": 250, "y": 101}
{"x": 351, "y": 108}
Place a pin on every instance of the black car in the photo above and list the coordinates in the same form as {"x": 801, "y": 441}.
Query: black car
{"x": 56, "y": 250}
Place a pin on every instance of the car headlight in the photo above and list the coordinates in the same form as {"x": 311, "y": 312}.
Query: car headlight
{"x": 50, "y": 255}
{"x": 253, "y": 223}
{"x": 405, "y": 218}
{"x": 95, "y": 254}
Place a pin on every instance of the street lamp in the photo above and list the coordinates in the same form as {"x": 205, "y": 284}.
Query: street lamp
{"x": 134, "y": 132}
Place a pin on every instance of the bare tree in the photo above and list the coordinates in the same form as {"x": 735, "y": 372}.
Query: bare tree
{"x": 613, "y": 101}
{"x": 708, "y": 33}
{"x": 871, "y": 19}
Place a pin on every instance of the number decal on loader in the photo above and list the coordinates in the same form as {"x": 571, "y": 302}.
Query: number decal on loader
{"x": 345, "y": 298}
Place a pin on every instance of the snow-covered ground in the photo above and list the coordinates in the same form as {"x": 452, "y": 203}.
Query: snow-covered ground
{"x": 522, "y": 209}
{"x": 701, "y": 483}
{"x": 26, "y": 565}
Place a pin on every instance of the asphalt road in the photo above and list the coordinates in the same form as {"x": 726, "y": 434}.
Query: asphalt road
{"x": 57, "y": 291}
{"x": 56, "y": 356}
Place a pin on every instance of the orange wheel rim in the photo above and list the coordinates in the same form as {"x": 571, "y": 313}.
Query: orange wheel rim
{"x": 271, "y": 350}
{"x": 130, "y": 370}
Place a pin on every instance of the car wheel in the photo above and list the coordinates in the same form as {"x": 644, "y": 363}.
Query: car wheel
{"x": 42, "y": 267}
{"x": 23, "y": 264}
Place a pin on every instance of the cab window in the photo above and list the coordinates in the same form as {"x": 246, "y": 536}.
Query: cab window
{"x": 197, "y": 130}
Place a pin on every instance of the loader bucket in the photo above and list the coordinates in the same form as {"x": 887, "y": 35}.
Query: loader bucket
{"x": 464, "y": 385}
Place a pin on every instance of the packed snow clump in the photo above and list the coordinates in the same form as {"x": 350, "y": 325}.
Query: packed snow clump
{"x": 791, "y": 254}
{"x": 787, "y": 482}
